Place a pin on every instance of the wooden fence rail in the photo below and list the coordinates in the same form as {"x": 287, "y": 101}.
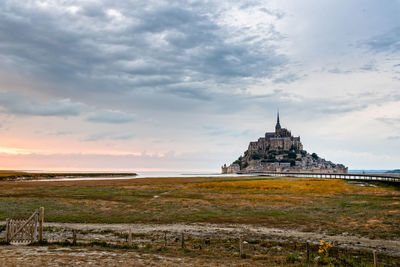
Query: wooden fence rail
{"x": 28, "y": 230}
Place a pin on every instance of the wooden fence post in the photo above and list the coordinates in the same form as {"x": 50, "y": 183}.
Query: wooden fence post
{"x": 183, "y": 240}
{"x": 308, "y": 254}
{"x": 35, "y": 226}
{"x": 7, "y": 230}
{"x": 375, "y": 259}
{"x": 41, "y": 221}
{"x": 241, "y": 246}
{"x": 130, "y": 237}
{"x": 73, "y": 237}
{"x": 10, "y": 229}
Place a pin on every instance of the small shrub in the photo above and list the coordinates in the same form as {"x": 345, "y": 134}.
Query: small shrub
{"x": 186, "y": 250}
{"x": 255, "y": 156}
{"x": 245, "y": 256}
{"x": 292, "y": 258}
{"x": 324, "y": 248}
{"x": 3, "y": 242}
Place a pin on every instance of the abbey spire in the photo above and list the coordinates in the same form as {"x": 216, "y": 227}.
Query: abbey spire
{"x": 278, "y": 125}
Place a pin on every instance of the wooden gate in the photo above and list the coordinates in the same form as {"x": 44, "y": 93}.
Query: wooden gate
{"x": 28, "y": 230}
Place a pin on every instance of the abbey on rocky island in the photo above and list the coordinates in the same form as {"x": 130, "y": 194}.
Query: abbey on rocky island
{"x": 279, "y": 151}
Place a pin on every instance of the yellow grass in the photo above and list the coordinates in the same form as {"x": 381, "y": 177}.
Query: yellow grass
{"x": 292, "y": 186}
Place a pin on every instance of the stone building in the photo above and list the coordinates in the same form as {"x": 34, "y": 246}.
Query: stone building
{"x": 279, "y": 140}
{"x": 233, "y": 168}
{"x": 279, "y": 151}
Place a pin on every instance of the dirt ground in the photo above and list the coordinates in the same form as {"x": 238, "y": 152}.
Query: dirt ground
{"x": 154, "y": 234}
{"x": 58, "y": 232}
{"x": 17, "y": 256}
{"x": 234, "y": 231}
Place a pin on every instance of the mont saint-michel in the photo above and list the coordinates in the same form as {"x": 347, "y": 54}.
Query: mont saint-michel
{"x": 280, "y": 151}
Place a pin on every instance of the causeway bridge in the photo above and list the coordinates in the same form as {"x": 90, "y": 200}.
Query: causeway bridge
{"x": 383, "y": 177}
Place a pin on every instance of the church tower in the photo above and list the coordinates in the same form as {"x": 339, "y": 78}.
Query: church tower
{"x": 278, "y": 125}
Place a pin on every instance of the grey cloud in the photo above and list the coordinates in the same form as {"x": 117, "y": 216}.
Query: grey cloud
{"x": 111, "y": 116}
{"x": 124, "y": 137}
{"x": 109, "y": 136}
{"x": 369, "y": 67}
{"x": 336, "y": 70}
{"x": 217, "y": 131}
{"x": 288, "y": 78}
{"x": 386, "y": 42}
{"x": 93, "y": 10}
{"x": 201, "y": 46}
{"x": 61, "y": 133}
{"x": 309, "y": 106}
{"x": 294, "y": 103}
{"x": 346, "y": 103}
{"x": 169, "y": 17}
{"x": 23, "y": 105}
{"x": 389, "y": 121}
{"x": 97, "y": 137}
{"x": 278, "y": 14}
{"x": 255, "y": 4}
{"x": 330, "y": 108}
{"x": 157, "y": 45}
{"x": 190, "y": 92}
{"x": 393, "y": 137}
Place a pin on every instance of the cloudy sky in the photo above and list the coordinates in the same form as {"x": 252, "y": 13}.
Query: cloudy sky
{"x": 185, "y": 85}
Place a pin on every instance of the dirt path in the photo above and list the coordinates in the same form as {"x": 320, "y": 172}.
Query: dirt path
{"x": 389, "y": 247}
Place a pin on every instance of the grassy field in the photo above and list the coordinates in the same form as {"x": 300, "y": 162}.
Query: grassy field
{"x": 331, "y": 206}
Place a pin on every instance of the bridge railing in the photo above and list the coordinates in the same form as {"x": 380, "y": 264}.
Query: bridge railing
{"x": 347, "y": 176}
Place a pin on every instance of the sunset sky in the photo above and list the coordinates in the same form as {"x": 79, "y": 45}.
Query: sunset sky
{"x": 186, "y": 85}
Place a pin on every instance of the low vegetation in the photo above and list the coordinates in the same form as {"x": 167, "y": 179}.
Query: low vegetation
{"x": 317, "y": 205}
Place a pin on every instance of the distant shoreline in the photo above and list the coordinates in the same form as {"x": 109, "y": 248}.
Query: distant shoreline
{"x": 8, "y": 175}
{"x": 16, "y": 175}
